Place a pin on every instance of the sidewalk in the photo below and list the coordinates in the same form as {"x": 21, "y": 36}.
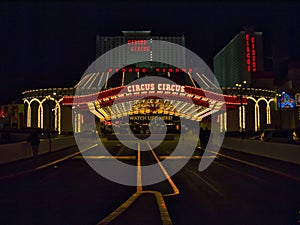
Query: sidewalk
{"x": 23, "y": 166}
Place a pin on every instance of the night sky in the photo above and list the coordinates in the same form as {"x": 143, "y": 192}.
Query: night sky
{"x": 50, "y": 44}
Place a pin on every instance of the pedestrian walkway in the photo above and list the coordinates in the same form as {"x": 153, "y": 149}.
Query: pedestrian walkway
{"x": 24, "y": 166}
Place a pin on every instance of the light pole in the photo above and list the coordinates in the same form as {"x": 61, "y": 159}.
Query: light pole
{"x": 241, "y": 91}
{"x": 49, "y": 121}
{"x": 280, "y": 108}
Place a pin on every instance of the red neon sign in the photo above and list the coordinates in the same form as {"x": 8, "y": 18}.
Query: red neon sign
{"x": 137, "y": 42}
{"x": 138, "y": 45}
{"x": 250, "y": 53}
{"x": 157, "y": 69}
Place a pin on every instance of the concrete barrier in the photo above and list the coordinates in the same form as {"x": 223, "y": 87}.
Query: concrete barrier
{"x": 285, "y": 152}
{"x": 21, "y": 150}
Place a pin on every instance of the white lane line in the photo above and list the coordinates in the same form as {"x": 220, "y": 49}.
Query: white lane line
{"x": 279, "y": 173}
{"x": 139, "y": 186}
{"x": 208, "y": 184}
{"x": 175, "y": 189}
{"x": 241, "y": 173}
{"x": 184, "y": 157}
{"x": 46, "y": 165}
{"x": 121, "y": 157}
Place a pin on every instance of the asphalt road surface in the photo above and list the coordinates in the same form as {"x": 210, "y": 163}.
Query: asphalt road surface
{"x": 228, "y": 192}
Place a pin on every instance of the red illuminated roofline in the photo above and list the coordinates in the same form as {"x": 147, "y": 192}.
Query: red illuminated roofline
{"x": 107, "y": 97}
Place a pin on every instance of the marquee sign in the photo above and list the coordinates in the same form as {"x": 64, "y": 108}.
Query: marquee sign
{"x": 154, "y": 87}
{"x": 286, "y": 102}
{"x": 144, "y": 70}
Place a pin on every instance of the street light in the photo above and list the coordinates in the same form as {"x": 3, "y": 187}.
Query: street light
{"x": 280, "y": 96}
{"x": 49, "y": 121}
{"x": 241, "y": 91}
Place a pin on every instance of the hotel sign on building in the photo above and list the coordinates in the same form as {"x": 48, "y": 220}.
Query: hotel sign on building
{"x": 250, "y": 52}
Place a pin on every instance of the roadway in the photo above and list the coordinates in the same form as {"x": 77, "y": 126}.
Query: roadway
{"x": 262, "y": 192}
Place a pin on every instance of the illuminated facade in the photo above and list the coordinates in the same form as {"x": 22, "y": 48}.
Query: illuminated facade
{"x": 258, "y": 114}
{"x": 115, "y": 79}
{"x": 44, "y": 109}
{"x": 178, "y": 100}
{"x": 241, "y": 61}
{"x": 251, "y": 110}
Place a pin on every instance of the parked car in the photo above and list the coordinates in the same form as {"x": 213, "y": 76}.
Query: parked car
{"x": 93, "y": 134}
{"x": 296, "y": 136}
{"x": 266, "y": 134}
{"x": 278, "y": 135}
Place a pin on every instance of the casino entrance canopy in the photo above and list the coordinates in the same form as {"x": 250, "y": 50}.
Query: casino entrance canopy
{"x": 122, "y": 97}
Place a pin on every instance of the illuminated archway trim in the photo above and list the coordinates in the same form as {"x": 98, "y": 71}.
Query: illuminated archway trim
{"x": 57, "y": 113}
{"x": 269, "y": 111}
{"x": 30, "y": 112}
{"x": 28, "y": 122}
{"x": 242, "y": 118}
{"x": 256, "y": 113}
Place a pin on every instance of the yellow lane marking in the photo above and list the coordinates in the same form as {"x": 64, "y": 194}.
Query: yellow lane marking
{"x": 175, "y": 189}
{"x": 119, "y": 210}
{"x": 164, "y": 214}
{"x": 139, "y": 186}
